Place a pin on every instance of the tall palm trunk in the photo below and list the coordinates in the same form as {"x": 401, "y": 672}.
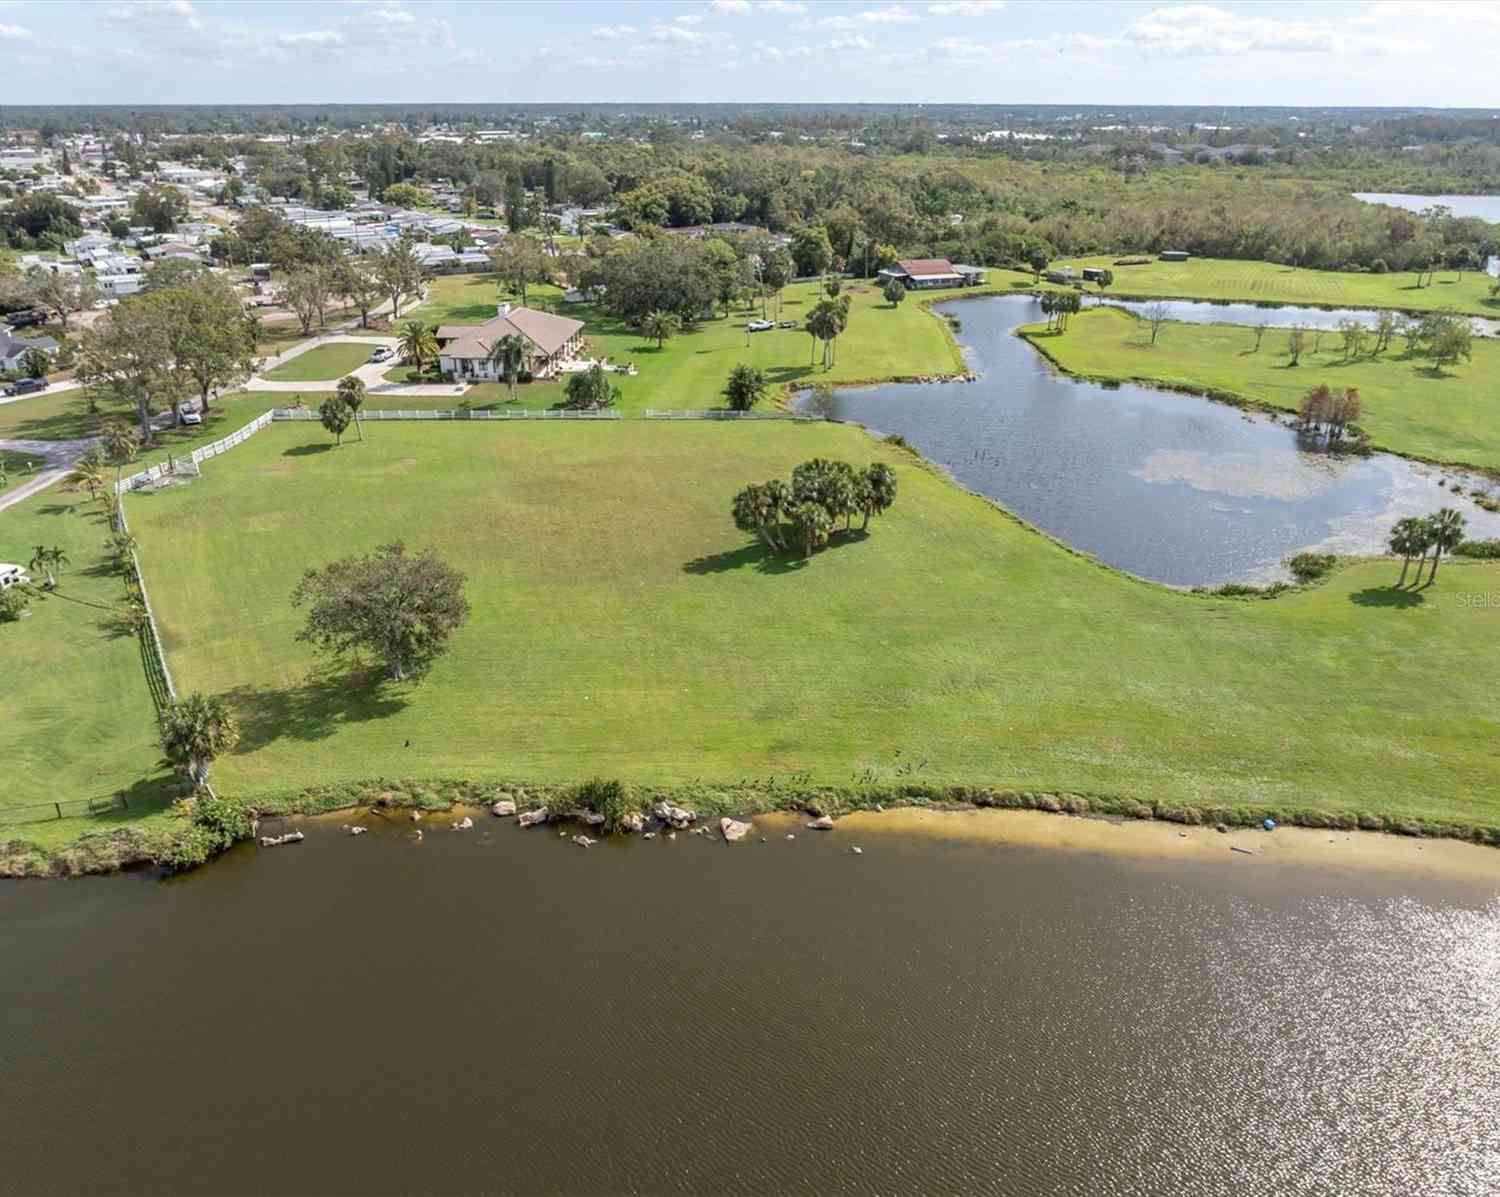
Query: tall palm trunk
{"x": 1405, "y": 565}
{"x": 1437, "y": 555}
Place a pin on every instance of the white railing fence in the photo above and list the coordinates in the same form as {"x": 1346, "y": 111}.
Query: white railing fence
{"x": 721, "y": 414}
{"x": 307, "y": 413}
{"x": 163, "y": 690}
{"x": 199, "y": 455}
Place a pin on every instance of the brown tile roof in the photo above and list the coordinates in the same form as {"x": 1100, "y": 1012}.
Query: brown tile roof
{"x": 917, "y": 267}
{"x": 548, "y": 333}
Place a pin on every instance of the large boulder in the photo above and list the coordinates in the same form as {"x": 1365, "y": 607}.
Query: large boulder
{"x": 822, "y": 823}
{"x": 633, "y": 821}
{"x": 463, "y": 824}
{"x": 674, "y": 816}
{"x": 733, "y": 829}
{"x": 589, "y": 818}
{"x": 532, "y": 818}
{"x": 583, "y": 841}
{"x": 503, "y": 807}
{"x": 275, "y": 841}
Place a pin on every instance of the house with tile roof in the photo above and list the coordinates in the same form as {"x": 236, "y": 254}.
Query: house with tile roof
{"x": 921, "y": 274}
{"x": 467, "y": 350}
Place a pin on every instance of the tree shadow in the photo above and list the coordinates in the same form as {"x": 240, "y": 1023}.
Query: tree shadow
{"x": 312, "y": 711}
{"x": 307, "y": 450}
{"x": 1387, "y": 596}
{"x": 763, "y": 559}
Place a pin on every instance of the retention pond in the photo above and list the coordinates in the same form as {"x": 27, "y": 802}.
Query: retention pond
{"x": 1173, "y": 487}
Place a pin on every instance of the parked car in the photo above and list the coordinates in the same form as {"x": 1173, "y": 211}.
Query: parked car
{"x": 189, "y": 414}
{"x": 27, "y": 386}
{"x": 383, "y": 353}
{"x": 760, "y": 325}
{"x": 12, "y": 575}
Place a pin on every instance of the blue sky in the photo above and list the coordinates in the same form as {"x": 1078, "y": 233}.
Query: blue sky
{"x": 1428, "y": 52}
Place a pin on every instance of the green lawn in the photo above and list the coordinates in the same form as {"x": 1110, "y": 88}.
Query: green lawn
{"x": 62, "y": 415}
{"x": 76, "y": 719}
{"x": 1267, "y": 282}
{"x": 1449, "y": 416}
{"x": 622, "y": 626}
{"x": 322, "y": 364}
{"x": 690, "y": 370}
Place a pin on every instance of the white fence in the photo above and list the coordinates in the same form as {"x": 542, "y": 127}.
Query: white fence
{"x": 197, "y": 456}
{"x": 162, "y": 688}
{"x": 304, "y": 413}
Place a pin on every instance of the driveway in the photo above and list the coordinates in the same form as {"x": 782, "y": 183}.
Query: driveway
{"x": 372, "y": 374}
{"x": 57, "y": 458}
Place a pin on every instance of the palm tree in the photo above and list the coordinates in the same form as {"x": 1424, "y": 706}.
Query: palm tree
{"x": 194, "y": 731}
{"x": 1447, "y": 531}
{"x": 352, "y": 391}
{"x": 49, "y": 561}
{"x": 1422, "y": 540}
{"x": 1408, "y": 539}
{"x": 419, "y": 343}
{"x": 509, "y": 356}
{"x": 88, "y": 473}
{"x": 880, "y": 489}
{"x": 660, "y": 326}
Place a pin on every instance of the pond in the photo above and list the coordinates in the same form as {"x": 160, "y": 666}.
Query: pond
{"x": 500, "y": 1011}
{"x": 1172, "y": 487}
{"x": 1196, "y": 311}
{"x": 1486, "y": 207}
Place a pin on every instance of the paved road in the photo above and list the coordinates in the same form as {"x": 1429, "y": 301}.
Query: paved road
{"x": 57, "y": 458}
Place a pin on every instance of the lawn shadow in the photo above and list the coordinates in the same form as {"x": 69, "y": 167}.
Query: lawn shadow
{"x": 1387, "y": 596}
{"x": 312, "y": 711}
{"x": 307, "y": 450}
{"x": 763, "y": 559}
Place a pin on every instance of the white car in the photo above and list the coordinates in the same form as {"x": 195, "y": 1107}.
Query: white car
{"x": 190, "y": 415}
{"x": 760, "y": 325}
{"x": 383, "y": 354}
{"x": 11, "y": 575}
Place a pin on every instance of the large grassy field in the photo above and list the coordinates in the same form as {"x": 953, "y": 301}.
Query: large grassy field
{"x": 690, "y": 370}
{"x": 322, "y": 364}
{"x": 1452, "y": 415}
{"x": 76, "y": 719}
{"x": 1267, "y": 282}
{"x": 622, "y": 626}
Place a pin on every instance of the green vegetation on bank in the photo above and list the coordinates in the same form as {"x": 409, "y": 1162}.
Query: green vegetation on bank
{"x": 1272, "y": 283}
{"x": 1409, "y": 406}
{"x": 621, "y": 626}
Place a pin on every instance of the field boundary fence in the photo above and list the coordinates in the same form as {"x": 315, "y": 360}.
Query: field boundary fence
{"x": 42, "y": 812}
{"x": 463, "y": 413}
{"x": 193, "y": 460}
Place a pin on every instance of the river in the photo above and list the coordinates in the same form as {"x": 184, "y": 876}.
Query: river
{"x": 501, "y": 1011}
{"x": 1172, "y": 487}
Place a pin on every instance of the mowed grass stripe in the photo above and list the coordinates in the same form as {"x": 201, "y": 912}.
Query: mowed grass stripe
{"x": 622, "y": 626}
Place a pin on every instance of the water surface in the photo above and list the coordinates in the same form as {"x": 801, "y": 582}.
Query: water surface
{"x": 1486, "y": 207}
{"x": 501, "y": 1011}
{"x": 1172, "y": 487}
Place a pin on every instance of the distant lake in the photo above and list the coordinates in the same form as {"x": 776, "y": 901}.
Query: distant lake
{"x": 1486, "y": 207}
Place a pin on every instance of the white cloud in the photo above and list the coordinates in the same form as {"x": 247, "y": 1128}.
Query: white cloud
{"x": 1203, "y": 30}
{"x": 676, "y": 34}
{"x": 14, "y": 33}
{"x": 316, "y": 38}
{"x": 855, "y": 42}
{"x": 614, "y": 33}
{"x": 156, "y": 14}
{"x": 896, "y": 14}
{"x": 789, "y": 8}
{"x": 734, "y": 6}
{"x": 965, "y": 8}
{"x": 689, "y": 18}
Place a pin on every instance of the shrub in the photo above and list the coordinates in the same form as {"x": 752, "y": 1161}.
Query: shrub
{"x": 1378, "y": 266}
{"x": 1309, "y": 567}
{"x": 1132, "y": 261}
{"x": 225, "y": 819}
{"x": 13, "y": 604}
{"x": 612, "y": 799}
{"x": 1488, "y": 550}
{"x": 1235, "y": 590}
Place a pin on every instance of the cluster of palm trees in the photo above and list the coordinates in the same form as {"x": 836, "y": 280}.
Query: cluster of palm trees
{"x": 825, "y": 323}
{"x": 49, "y": 562}
{"x": 1058, "y": 306}
{"x": 805, "y": 513}
{"x": 1414, "y": 537}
